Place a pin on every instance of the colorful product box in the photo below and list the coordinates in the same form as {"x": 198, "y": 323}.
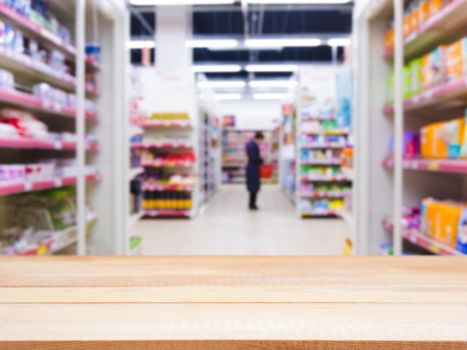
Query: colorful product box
{"x": 441, "y": 220}
{"x": 443, "y": 140}
{"x": 455, "y": 57}
{"x": 432, "y": 69}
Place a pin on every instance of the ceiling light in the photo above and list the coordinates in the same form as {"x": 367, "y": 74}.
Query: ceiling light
{"x": 179, "y": 2}
{"x": 141, "y": 44}
{"x": 222, "y": 84}
{"x": 213, "y": 44}
{"x": 228, "y": 97}
{"x": 339, "y": 42}
{"x": 217, "y": 68}
{"x": 295, "y": 2}
{"x": 282, "y": 42}
{"x": 256, "y": 68}
{"x": 269, "y": 96}
{"x": 272, "y": 83}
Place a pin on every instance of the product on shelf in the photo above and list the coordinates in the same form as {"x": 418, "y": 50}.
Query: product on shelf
{"x": 416, "y": 14}
{"x": 443, "y": 140}
{"x": 149, "y": 158}
{"x": 170, "y": 116}
{"x": 167, "y": 200}
{"x": 39, "y": 223}
{"x": 320, "y": 207}
{"x": 444, "y": 64}
{"x": 38, "y": 11}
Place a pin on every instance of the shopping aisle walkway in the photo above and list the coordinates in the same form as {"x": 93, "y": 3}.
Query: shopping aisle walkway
{"x": 228, "y": 228}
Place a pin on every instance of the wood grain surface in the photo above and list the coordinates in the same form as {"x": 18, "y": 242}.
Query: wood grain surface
{"x": 233, "y": 303}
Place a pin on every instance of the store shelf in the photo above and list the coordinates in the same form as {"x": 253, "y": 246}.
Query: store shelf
{"x": 323, "y": 194}
{"x": 167, "y": 213}
{"x": 26, "y": 143}
{"x": 448, "y": 95}
{"x": 167, "y": 187}
{"x": 317, "y": 118}
{"x": 435, "y": 165}
{"x": 26, "y": 25}
{"x": 336, "y": 178}
{"x": 59, "y": 241}
{"x": 423, "y": 241}
{"x": 168, "y": 164}
{"x": 167, "y": 145}
{"x": 180, "y": 124}
{"x": 327, "y": 132}
{"x": 7, "y": 189}
{"x": 447, "y": 23}
{"x": 321, "y": 146}
{"x": 36, "y": 105}
{"x": 335, "y": 161}
{"x": 320, "y": 213}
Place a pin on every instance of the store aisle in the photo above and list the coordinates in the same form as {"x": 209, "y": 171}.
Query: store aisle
{"x": 227, "y": 228}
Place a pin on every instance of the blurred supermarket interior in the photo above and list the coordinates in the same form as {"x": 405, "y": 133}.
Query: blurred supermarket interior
{"x": 125, "y": 125}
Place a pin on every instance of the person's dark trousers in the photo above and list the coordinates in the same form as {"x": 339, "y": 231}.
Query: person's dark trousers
{"x": 253, "y": 196}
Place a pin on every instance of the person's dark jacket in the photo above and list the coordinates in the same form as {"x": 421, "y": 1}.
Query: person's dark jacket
{"x": 253, "y": 167}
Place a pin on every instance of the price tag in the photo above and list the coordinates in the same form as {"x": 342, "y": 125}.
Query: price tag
{"x": 45, "y": 104}
{"x": 28, "y": 187}
{"x": 57, "y": 107}
{"x": 58, "y": 145}
{"x": 58, "y": 182}
{"x": 435, "y": 249}
{"x": 433, "y": 166}
{"x": 42, "y": 250}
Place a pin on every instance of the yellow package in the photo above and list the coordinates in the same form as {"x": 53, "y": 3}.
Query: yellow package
{"x": 443, "y": 140}
{"x": 433, "y": 218}
{"x": 456, "y": 60}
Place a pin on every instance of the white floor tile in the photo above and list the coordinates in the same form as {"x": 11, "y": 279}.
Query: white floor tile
{"x": 227, "y": 227}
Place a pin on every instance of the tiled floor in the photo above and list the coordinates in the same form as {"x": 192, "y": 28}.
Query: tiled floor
{"x": 226, "y": 227}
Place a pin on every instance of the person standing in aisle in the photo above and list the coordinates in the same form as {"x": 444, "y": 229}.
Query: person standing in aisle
{"x": 253, "y": 168}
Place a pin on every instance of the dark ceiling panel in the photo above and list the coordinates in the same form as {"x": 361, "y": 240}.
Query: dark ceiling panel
{"x": 218, "y": 23}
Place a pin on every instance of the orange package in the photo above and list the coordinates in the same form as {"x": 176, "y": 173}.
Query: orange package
{"x": 424, "y": 11}
{"x": 456, "y": 60}
{"x": 451, "y": 213}
{"x": 435, "y": 6}
{"x": 443, "y": 140}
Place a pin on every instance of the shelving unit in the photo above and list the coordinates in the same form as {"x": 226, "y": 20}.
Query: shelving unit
{"x": 208, "y": 151}
{"x": 234, "y": 158}
{"x": 392, "y": 177}
{"x": 77, "y": 133}
{"x": 169, "y": 182}
{"x": 322, "y": 137}
{"x": 287, "y": 156}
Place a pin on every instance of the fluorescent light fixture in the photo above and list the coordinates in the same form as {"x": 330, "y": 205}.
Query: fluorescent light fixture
{"x": 217, "y": 68}
{"x": 141, "y": 44}
{"x": 282, "y": 42}
{"x": 257, "y": 68}
{"x": 230, "y": 97}
{"x": 269, "y": 96}
{"x": 226, "y": 84}
{"x": 179, "y": 2}
{"x": 295, "y": 2}
{"x": 339, "y": 42}
{"x": 212, "y": 43}
{"x": 272, "y": 83}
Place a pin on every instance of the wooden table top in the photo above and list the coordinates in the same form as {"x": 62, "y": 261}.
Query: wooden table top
{"x": 233, "y": 303}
